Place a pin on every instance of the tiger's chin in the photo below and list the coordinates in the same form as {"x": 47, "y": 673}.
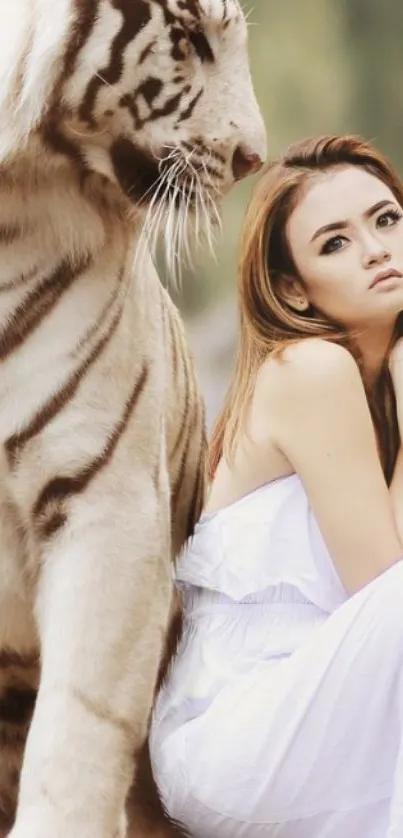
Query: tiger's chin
{"x": 180, "y": 210}
{"x": 136, "y": 170}
{"x": 168, "y": 177}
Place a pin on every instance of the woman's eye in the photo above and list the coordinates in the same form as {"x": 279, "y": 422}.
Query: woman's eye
{"x": 388, "y": 218}
{"x": 333, "y": 244}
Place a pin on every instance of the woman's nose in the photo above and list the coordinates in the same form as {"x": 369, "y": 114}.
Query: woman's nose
{"x": 375, "y": 252}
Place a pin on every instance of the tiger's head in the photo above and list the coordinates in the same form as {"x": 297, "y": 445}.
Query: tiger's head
{"x": 156, "y": 95}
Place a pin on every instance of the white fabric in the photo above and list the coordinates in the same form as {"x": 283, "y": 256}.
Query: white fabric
{"x": 282, "y": 713}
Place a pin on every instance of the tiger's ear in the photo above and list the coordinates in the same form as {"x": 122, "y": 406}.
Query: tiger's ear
{"x": 292, "y": 293}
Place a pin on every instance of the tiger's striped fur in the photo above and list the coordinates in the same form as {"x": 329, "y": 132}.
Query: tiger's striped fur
{"x": 117, "y": 118}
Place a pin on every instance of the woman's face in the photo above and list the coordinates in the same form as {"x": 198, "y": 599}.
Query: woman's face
{"x": 346, "y": 240}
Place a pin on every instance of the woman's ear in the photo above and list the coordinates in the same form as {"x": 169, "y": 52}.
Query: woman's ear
{"x": 292, "y": 293}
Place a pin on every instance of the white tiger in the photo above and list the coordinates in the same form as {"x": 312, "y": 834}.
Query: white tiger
{"x": 117, "y": 117}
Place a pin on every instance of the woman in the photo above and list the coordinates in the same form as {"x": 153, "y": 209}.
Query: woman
{"x": 282, "y": 714}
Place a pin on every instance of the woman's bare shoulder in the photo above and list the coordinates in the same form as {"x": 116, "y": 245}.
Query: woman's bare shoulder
{"x": 312, "y": 356}
{"x": 309, "y": 366}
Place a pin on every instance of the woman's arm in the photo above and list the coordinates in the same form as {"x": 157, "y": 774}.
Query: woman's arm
{"x": 320, "y": 420}
{"x": 396, "y": 493}
{"x": 396, "y": 486}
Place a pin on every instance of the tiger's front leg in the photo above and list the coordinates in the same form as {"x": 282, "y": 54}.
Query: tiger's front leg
{"x": 102, "y": 607}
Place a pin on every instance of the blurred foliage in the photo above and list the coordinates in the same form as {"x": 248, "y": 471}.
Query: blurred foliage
{"x": 318, "y": 66}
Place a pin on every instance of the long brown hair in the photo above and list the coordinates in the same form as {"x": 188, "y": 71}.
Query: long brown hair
{"x": 267, "y": 323}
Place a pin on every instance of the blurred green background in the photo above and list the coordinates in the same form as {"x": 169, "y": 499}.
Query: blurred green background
{"x": 318, "y": 66}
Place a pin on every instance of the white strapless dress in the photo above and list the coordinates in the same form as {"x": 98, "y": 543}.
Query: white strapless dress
{"x": 282, "y": 713}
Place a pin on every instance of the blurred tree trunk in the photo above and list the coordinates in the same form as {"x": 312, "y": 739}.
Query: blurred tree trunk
{"x": 374, "y": 30}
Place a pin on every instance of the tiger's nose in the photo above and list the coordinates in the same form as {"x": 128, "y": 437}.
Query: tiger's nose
{"x": 245, "y": 162}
